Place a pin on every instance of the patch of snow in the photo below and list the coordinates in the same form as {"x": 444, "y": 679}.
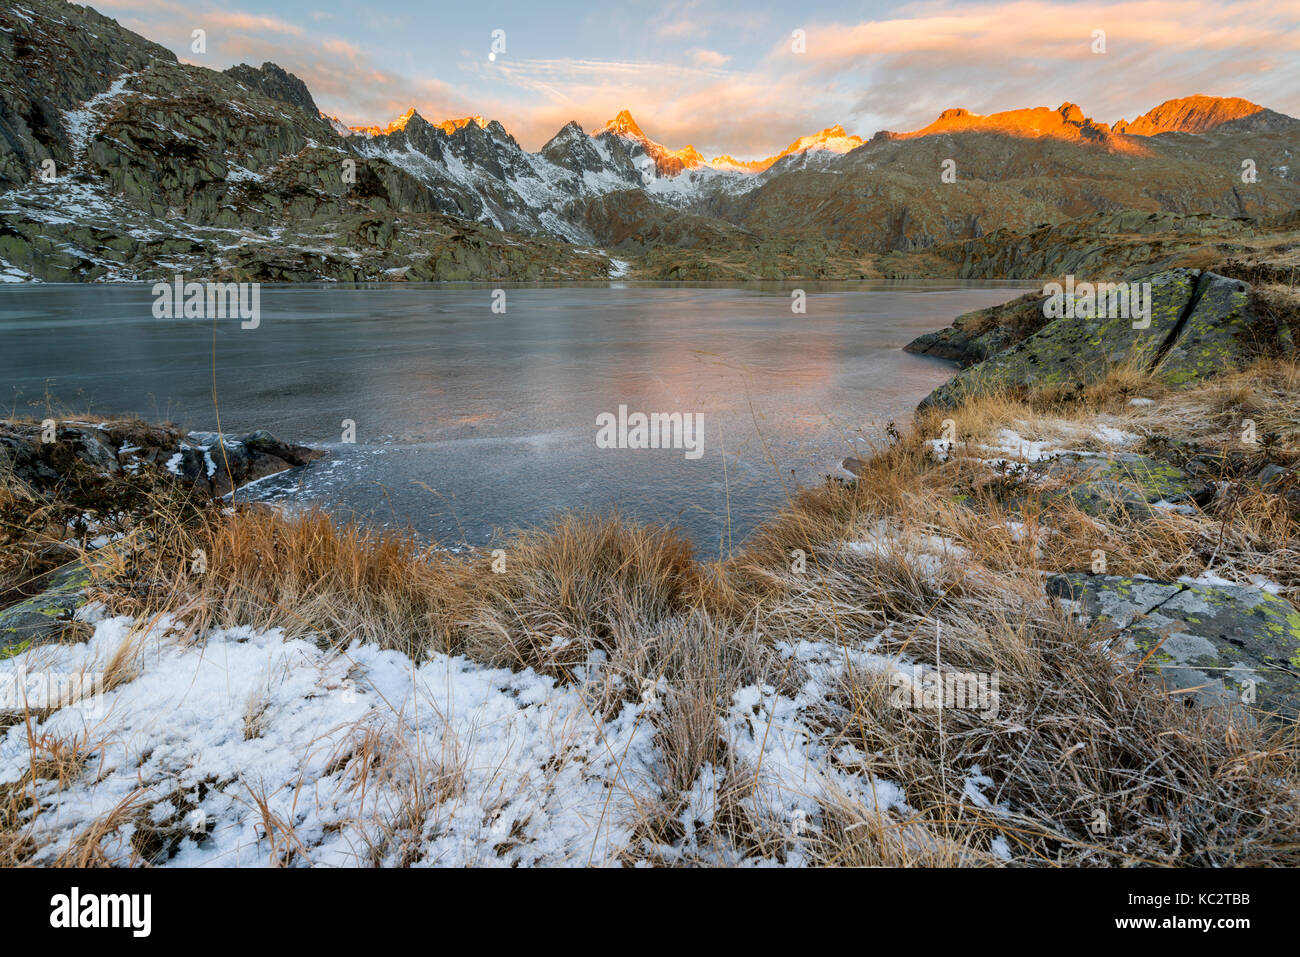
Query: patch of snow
{"x": 491, "y": 767}
{"x": 238, "y": 174}
{"x": 928, "y": 555}
{"x": 81, "y": 123}
{"x": 1114, "y": 436}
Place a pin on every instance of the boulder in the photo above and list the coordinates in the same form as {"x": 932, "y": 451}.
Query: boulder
{"x": 1216, "y": 334}
{"x": 222, "y": 463}
{"x": 1211, "y": 645}
{"x": 86, "y": 456}
{"x": 47, "y": 616}
{"x": 1201, "y": 324}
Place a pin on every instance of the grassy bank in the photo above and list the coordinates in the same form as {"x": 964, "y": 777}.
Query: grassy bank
{"x": 760, "y": 692}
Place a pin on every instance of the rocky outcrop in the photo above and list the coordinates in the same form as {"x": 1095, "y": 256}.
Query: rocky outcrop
{"x": 1200, "y": 324}
{"x": 83, "y": 457}
{"x": 982, "y": 334}
{"x": 1211, "y": 645}
{"x": 276, "y": 84}
{"x": 96, "y": 471}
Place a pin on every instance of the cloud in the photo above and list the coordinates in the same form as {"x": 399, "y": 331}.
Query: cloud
{"x": 743, "y": 91}
{"x": 1002, "y": 55}
{"x": 238, "y": 20}
{"x": 704, "y": 57}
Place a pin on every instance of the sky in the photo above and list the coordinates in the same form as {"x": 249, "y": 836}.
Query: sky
{"x": 735, "y": 78}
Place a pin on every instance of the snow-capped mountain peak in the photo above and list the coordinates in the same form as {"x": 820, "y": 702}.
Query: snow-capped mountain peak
{"x": 622, "y": 125}
{"x": 667, "y": 161}
{"x": 833, "y": 139}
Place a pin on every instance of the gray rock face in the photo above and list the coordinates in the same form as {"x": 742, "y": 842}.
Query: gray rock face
{"x": 572, "y": 149}
{"x": 1212, "y": 645}
{"x": 276, "y": 84}
{"x": 53, "y": 59}
{"x": 1201, "y": 324}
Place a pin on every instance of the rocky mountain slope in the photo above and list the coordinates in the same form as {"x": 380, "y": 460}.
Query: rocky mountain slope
{"x": 119, "y": 162}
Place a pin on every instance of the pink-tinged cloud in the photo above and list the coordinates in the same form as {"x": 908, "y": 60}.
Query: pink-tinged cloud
{"x": 703, "y": 57}
{"x": 238, "y": 20}
{"x": 896, "y": 73}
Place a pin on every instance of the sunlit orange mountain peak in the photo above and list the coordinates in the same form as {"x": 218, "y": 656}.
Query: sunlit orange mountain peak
{"x": 833, "y": 139}
{"x": 668, "y": 162}
{"x": 1066, "y": 122}
{"x": 393, "y": 127}
{"x": 1189, "y": 114}
{"x": 451, "y": 126}
{"x": 622, "y": 125}
{"x": 447, "y": 126}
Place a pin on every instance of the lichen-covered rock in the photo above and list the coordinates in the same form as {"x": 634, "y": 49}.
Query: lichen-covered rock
{"x": 1209, "y": 644}
{"x": 1201, "y": 324}
{"x": 1216, "y": 334}
{"x": 1154, "y": 479}
{"x": 1079, "y": 349}
{"x": 47, "y": 616}
{"x": 1103, "y": 498}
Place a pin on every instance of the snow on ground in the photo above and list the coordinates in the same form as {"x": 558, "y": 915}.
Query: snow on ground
{"x": 1009, "y": 446}
{"x": 928, "y": 555}
{"x": 1113, "y": 436}
{"x": 1211, "y": 578}
{"x": 241, "y": 747}
{"x": 11, "y": 273}
{"x": 81, "y": 123}
{"x": 512, "y": 768}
